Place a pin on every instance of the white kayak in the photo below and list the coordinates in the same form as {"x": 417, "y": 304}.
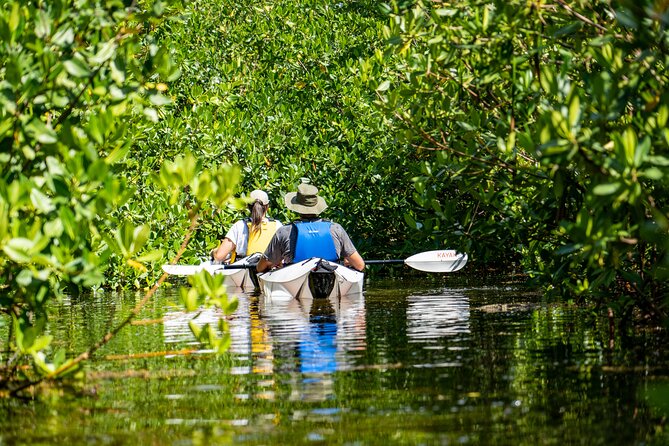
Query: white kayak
{"x": 237, "y": 274}
{"x": 311, "y": 278}
{"x": 316, "y": 277}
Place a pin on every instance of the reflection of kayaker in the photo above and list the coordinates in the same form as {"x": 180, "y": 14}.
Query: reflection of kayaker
{"x": 318, "y": 346}
{"x": 318, "y": 332}
{"x": 261, "y": 346}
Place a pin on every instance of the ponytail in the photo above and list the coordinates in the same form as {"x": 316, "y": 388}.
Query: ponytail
{"x": 257, "y": 213}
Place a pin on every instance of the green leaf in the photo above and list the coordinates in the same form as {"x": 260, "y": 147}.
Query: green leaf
{"x": 568, "y": 249}
{"x": 383, "y": 86}
{"x": 443, "y": 12}
{"x": 658, "y": 160}
{"x": 41, "y": 132}
{"x": 606, "y": 189}
{"x": 641, "y": 152}
{"x": 14, "y": 17}
{"x": 118, "y": 154}
{"x": 574, "y": 109}
{"x": 548, "y": 79}
{"x": 140, "y": 236}
{"x": 40, "y": 343}
{"x": 19, "y": 249}
{"x": 77, "y": 67}
{"x": 662, "y": 116}
{"x": 53, "y": 229}
{"x": 189, "y": 298}
{"x": 41, "y": 202}
{"x": 24, "y": 278}
{"x": 95, "y": 129}
{"x": 105, "y": 52}
{"x": 652, "y": 173}
{"x": 63, "y": 37}
{"x": 151, "y": 256}
{"x": 118, "y": 70}
{"x": 69, "y": 222}
{"x": 629, "y": 141}
{"x": 5, "y": 125}
{"x": 626, "y": 18}
{"x": 42, "y": 24}
{"x": 159, "y": 100}
{"x": 568, "y": 29}
{"x": 152, "y": 114}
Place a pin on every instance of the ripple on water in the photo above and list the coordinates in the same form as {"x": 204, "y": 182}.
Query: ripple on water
{"x": 433, "y": 317}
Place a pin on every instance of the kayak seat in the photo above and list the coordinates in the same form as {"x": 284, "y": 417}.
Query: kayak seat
{"x": 322, "y": 280}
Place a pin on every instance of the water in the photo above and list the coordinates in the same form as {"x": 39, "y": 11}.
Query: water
{"x": 405, "y": 363}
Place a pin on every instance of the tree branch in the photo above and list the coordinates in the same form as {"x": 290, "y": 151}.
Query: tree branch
{"x": 133, "y": 313}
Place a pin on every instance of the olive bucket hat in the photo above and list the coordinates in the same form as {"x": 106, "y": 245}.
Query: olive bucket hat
{"x": 306, "y": 200}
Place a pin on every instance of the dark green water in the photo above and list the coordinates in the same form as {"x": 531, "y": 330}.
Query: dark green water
{"x": 403, "y": 364}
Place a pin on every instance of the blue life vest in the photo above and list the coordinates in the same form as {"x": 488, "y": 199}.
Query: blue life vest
{"x": 314, "y": 240}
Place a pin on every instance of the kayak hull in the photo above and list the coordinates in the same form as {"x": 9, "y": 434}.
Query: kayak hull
{"x": 293, "y": 281}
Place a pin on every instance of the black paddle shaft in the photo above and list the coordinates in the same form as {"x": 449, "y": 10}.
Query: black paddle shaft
{"x": 382, "y": 262}
{"x": 367, "y": 262}
{"x": 233, "y": 266}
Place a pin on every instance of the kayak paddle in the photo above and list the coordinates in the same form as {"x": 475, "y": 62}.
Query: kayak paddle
{"x": 439, "y": 261}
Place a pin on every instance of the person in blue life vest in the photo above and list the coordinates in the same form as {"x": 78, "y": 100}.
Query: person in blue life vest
{"x": 309, "y": 236}
{"x": 250, "y": 235}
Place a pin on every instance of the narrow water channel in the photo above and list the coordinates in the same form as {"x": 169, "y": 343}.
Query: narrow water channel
{"x": 403, "y": 363}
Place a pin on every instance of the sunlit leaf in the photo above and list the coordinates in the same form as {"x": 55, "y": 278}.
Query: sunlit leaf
{"x": 19, "y": 249}
{"x": 383, "y": 86}
{"x": 105, "y": 52}
{"x": 151, "y": 256}
{"x": 606, "y": 188}
{"x": 41, "y": 202}
{"x": 137, "y": 265}
{"x": 76, "y": 67}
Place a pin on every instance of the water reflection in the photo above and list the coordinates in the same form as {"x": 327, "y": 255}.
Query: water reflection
{"x": 311, "y": 339}
{"x": 318, "y": 333}
{"x": 435, "y": 316}
{"x": 496, "y": 366}
{"x": 311, "y": 336}
{"x": 176, "y": 324}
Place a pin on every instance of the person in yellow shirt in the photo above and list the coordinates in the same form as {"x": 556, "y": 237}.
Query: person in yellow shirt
{"x": 250, "y": 235}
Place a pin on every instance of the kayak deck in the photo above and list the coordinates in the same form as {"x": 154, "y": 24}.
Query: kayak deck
{"x": 312, "y": 278}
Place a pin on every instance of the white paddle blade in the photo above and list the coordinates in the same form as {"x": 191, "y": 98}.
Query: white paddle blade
{"x": 181, "y": 270}
{"x": 441, "y": 261}
{"x": 189, "y": 270}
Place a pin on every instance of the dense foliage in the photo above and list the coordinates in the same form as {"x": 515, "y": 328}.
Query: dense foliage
{"x": 275, "y": 88}
{"x": 547, "y": 125}
{"x": 80, "y": 84}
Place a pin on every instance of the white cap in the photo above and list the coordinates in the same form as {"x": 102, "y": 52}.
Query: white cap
{"x": 258, "y": 195}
